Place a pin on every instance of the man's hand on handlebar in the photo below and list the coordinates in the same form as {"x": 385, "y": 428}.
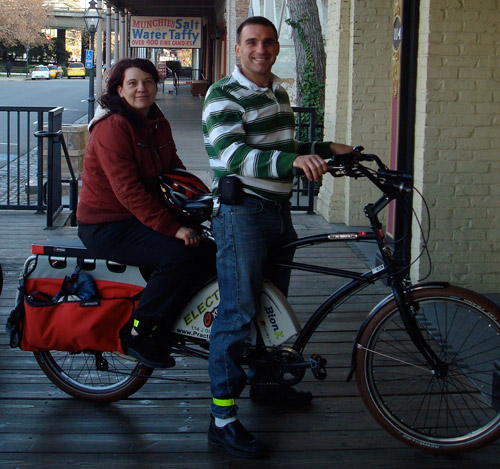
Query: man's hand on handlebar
{"x": 190, "y": 236}
{"x": 313, "y": 166}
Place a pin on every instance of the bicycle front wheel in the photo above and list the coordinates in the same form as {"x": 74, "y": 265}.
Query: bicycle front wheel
{"x": 450, "y": 412}
{"x": 94, "y": 376}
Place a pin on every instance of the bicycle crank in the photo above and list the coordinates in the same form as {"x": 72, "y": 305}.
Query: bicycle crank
{"x": 318, "y": 366}
{"x": 289, "y": 366}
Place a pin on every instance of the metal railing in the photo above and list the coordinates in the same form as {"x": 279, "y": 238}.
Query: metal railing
{"x": 28, "y": 180}
{"x": 55, "y": 181}
{"x": 304, "y": 191}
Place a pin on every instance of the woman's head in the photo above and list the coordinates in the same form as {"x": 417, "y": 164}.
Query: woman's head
{"x": 134, "y": 81}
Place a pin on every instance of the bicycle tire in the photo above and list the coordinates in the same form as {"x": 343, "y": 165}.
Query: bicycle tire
{"x": 454, "y": 413}
{"x": 77, "y": 374}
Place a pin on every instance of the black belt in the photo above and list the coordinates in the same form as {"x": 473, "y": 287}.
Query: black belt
{"x": 265, "y": 201}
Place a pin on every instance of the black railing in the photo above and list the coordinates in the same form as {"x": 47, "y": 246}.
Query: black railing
{"x": 55, "y": 181}
{"x": 304, "y": 191}
{"x": 28, "y": 181}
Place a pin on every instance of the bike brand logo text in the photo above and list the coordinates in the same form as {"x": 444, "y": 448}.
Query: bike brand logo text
{"x": 272, "y": 319}
{"x": 210, "y": 302}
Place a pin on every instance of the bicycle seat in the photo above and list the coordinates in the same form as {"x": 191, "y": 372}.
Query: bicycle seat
{"x": 68, "y": 247}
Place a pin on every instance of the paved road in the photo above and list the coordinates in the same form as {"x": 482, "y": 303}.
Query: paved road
{"x": 70, "y": 94}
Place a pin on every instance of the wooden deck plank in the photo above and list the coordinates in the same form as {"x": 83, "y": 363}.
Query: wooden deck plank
{"x": 164, "y": 424}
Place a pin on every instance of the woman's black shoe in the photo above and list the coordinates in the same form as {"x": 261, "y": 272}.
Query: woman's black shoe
{"x": 236, "y": 440}
{"x": 144, "y": 348}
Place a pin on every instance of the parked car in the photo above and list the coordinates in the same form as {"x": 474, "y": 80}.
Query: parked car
{"x": 55, "y": 71}
{"x": 76, "y": 69}
{"x": 40, "y": 72}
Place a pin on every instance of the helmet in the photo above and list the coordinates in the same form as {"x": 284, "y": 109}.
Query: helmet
{"x": 186, "y": 196}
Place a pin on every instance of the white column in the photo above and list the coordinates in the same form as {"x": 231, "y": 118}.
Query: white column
{"x": 196, "y": 64}
{"x": 122, "y": 34}
{"x": 270, "y": 10}
{"x": 98, "y": 43}
{"x": 108, "y": 36}
{"x": 116, "y": 52}
{"x": 231, "y": 35}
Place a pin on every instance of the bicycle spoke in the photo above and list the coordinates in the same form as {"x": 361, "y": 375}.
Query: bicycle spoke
{"x": 452, "y": 407}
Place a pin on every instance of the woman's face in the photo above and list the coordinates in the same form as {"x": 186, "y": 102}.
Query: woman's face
{"x": 138, "y": 89}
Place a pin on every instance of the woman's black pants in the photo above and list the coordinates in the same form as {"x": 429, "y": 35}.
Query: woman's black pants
{"x": 174, "y": 270}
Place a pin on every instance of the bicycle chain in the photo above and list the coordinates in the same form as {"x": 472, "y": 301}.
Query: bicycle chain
{"x": 161, "y": 378}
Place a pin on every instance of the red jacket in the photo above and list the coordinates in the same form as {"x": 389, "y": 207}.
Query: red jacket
{"x": 120, "y": 162}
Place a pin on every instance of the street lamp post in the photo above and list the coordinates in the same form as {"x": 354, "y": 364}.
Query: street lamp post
{"x": 27, "y": 60}
{"x": 92, "y": 16}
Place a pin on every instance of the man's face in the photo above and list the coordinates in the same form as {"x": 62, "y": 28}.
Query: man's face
{"x": 257, "y": 50}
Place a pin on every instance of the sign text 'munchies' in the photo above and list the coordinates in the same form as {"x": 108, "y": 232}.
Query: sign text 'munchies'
{"x": 168, "y": 32}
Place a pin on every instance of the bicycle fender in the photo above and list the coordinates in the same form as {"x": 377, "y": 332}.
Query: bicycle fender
{"x": 376, "y": 309}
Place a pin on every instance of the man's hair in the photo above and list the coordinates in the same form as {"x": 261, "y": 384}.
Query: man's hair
{"x": 255, "y": 20}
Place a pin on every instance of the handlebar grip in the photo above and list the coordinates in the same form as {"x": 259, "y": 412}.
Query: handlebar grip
{"x": 297, "y": 172}
{"x": 391, "y": 174}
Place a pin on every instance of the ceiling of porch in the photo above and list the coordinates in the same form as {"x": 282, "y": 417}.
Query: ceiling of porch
{"x": 165, "y": 7}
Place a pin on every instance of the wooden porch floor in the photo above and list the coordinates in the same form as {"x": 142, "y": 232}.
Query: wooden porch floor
{"x": 165, "y": 423}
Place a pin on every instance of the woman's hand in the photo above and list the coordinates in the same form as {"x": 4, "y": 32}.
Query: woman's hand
{"x": 190, "y": 236}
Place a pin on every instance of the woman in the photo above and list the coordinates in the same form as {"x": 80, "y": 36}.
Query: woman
{"x": 119, "y": 219}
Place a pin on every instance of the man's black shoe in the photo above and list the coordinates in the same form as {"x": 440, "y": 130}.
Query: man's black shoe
{"x": 236, "y": 440}
{"x": 144, "y": 348}
{"x": 279, "y": 395}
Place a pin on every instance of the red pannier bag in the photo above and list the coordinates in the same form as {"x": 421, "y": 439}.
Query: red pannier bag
{"x": 47, "y": 317}
{"x": 75, "y": 326}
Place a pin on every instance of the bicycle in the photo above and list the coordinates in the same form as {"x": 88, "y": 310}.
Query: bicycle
{"x": 426, "y": 360}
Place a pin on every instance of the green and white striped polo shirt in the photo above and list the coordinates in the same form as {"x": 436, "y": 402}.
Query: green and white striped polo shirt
{"x": 249, "y": 132}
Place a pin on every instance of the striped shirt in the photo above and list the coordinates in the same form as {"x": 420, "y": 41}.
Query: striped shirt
{"x": 249, "y": 132}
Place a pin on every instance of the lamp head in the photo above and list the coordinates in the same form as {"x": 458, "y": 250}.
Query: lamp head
{"x": 92, "y": 16}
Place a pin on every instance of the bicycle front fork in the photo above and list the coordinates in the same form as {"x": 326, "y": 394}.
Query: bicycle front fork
{"x": 408, "y": 311}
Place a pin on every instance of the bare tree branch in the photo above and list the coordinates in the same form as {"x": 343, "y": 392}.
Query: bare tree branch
{"x": 22, "y": 21}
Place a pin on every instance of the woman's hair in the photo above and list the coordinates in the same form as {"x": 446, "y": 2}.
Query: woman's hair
{"x": 111, "y": 99}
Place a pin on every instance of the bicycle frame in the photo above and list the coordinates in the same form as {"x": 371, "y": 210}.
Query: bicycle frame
{"x": 397, "y": 277}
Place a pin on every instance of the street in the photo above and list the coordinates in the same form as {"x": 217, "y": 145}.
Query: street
{"x": 70, "y": 94}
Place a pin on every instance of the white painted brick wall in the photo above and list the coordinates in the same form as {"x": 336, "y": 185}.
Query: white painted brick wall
{"x": 457, "y": 161}
{"x": 358, "y": 96}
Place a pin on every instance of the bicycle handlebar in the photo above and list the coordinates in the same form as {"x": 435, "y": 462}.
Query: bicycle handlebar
{"x": 389, "y": 181}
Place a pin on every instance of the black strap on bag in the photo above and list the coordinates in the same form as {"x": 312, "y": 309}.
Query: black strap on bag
{"x": 68, "y": 282}
{"x": 15, "y": 319}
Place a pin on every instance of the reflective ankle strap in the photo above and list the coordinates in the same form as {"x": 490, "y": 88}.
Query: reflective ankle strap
{"x": 223, "y": 402}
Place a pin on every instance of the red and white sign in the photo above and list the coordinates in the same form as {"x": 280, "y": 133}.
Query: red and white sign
{"x": 165, "y": 32}
{"x": 162, "y": 69}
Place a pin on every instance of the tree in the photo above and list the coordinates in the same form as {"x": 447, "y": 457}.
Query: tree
{"x": 22, "y": 21}
{"x": 309, "y": 47}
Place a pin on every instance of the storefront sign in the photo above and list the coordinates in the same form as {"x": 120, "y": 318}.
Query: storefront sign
{"x": 171, "y": 32}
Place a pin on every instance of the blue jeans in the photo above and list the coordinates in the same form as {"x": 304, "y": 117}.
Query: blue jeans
{"x": 246, "y": 236}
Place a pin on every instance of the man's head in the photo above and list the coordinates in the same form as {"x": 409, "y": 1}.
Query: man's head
{"x": 256, "y": 20}
{"x": 257, "y": 47}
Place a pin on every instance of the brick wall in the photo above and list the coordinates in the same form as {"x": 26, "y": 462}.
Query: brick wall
{"x": 358, "y": 96}
{"x": 457, "y": 159}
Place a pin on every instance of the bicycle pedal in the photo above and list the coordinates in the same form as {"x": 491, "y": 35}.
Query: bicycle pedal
{"x": 318, "y": 366}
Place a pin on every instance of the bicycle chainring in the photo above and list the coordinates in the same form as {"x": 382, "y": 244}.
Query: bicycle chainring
{"x": 281, "y": 362}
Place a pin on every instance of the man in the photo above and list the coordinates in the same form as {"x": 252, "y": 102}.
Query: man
{"x": 248, "y": 127}
{"x": 8, "y": 67}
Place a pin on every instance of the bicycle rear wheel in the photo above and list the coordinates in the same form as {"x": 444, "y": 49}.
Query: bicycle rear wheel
{"x": 456, "y": 412}
{"x": 94, "y": 376}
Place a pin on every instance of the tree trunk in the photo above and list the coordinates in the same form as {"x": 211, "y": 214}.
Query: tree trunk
{"x": 308, "y": 11}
